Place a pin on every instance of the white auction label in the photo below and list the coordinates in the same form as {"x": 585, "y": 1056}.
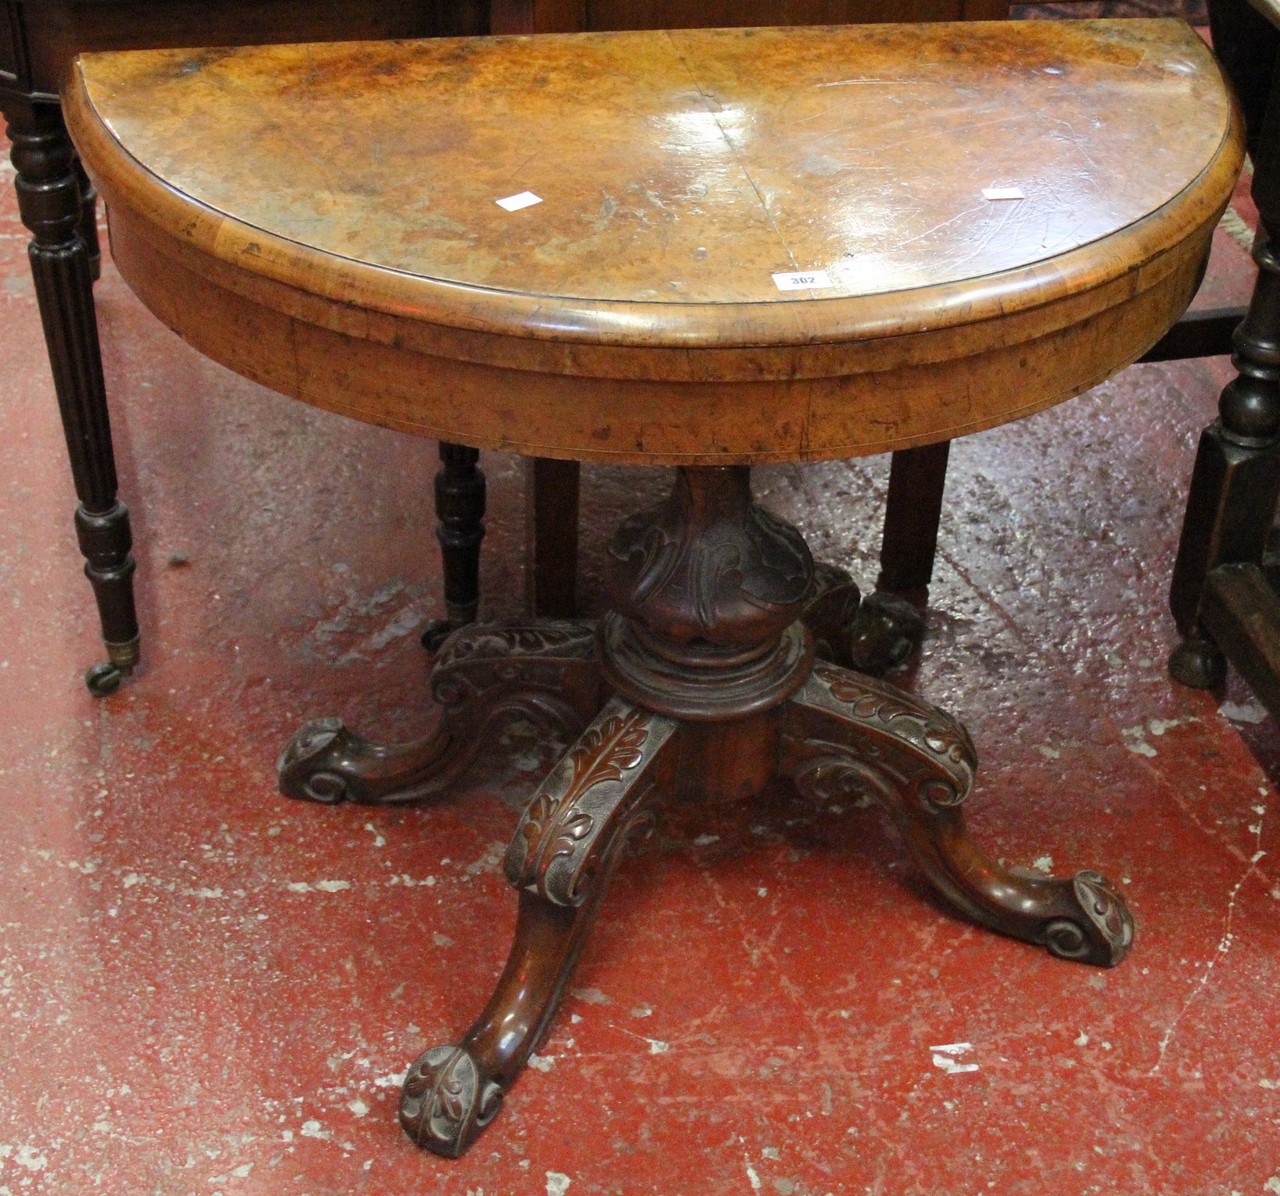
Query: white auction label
{"x": 1002, "y": 193}
{"x": 808, "y": 280}
{"x": 513, "y": 203}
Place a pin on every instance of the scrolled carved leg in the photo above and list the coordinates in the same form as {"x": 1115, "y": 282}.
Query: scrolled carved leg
{"x": 568, "y": 840}
{"x": 484, "y": 676}
{"x": 872, "y": 634}
{"x": 850, "y": 735}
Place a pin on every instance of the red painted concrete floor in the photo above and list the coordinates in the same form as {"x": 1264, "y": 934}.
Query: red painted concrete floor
{"x": 208, "y": 988}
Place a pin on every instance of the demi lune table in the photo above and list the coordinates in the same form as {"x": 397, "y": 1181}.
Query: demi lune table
{"x": 732, "y": 247}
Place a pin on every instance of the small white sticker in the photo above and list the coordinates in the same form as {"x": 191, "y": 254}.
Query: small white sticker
{"x": 1002, "y": 193}
{"x": 945, "y": 1057}
{"x": 810, "y": 280}
{"x": 513, "y": 203}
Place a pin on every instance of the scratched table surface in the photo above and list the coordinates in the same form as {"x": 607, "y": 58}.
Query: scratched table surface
{"x": 778, "y": 199}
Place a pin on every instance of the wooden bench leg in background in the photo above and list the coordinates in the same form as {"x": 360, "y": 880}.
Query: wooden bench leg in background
{"x": 1235, "y": 482}
{"x": 62, "y": 266}
{"x": 917, "y": 478}
{"x": 553, "y": 538}
{"x": 460, "y": 500}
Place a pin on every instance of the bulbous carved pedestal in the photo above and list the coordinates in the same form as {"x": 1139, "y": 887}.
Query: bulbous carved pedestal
{"x": 702, "y": 681}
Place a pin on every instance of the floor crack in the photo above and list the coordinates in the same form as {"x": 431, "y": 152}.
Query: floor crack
{"x": 1224, "y": 943}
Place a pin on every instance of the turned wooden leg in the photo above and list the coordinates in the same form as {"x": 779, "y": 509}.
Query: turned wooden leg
{"x": 1236, "y": 480}
{"x": 89, "y": 220}
{"x": 484, "y": 676}
{"x": 850, "y": 735}
{"x": 460, "y": 498}
{"x": 49, "y": 199}
{"x": 569, "y": 838}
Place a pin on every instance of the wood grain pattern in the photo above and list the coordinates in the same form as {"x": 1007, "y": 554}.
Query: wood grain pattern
{"x": 293, "y": 213}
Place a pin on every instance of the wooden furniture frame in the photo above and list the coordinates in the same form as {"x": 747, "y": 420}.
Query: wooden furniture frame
{"x": 38, "y": 39}
{"x": 1224, "y": 593}
{"x": 595, "y": 337}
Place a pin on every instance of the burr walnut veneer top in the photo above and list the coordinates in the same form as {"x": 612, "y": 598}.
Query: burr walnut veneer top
{"x": 324, "y": 218}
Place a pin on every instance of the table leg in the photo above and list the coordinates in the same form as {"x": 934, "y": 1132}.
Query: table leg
{"x": 50, "y": 202}
{"x": 560, "y": 859}
{"x": 460, "y": 501}
{"x": 913, "y": 509}
{"x": 847, "y": 736}
{"x": 485, "y": 675}
{"x": 89, "y": 220}
{"x": 716, "y": 692}
{"x": 1236, "y": 479}
{"x": 553, "y": 491}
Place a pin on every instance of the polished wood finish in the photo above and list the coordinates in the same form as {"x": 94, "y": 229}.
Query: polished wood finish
{"x": 670, "y": 184}
{"x": 580, "y": 16}
{"x": 910, "y": 534}
{"x": 632, "y": 315}
{"x": 37, "y": 42}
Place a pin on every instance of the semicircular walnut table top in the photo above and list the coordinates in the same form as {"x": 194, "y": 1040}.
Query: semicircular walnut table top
{"x": 323, "y": 218}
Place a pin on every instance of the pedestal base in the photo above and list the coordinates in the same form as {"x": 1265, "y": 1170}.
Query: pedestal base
{"x": 842, "y": 736}
{"x": 715, "y": 691}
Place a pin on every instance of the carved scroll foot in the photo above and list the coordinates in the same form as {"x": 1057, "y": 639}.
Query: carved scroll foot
{"x": 560, "y": 859}
{"x": 850, "y": 736}
{"x": 484, "y": 676}
{"x": 872, "y": 634}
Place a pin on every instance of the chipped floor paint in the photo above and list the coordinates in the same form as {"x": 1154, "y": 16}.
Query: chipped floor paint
{"x": 205, "y": 987}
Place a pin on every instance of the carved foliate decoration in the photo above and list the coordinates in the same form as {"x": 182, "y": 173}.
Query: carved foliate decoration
{"x": 709, "y": 564}
{"x": 485, "y": 675}
{"x": 847, "y": 736}
{"x": 555, "y": 849}
{"x": 446, "y": 1101}
{"x": 910, "y": 744}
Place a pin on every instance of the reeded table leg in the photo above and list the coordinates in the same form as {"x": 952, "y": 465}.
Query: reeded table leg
{"x": 560, "y": 859}
{"x": 485, "y": 675}
{"x": 849, "y": 735}
{"x": 50, "y": 201}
